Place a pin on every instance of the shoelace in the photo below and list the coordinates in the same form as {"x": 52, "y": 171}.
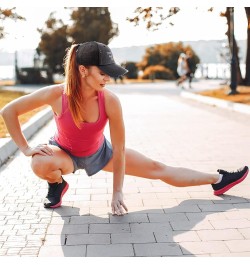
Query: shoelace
{"x": 221, "y": 171}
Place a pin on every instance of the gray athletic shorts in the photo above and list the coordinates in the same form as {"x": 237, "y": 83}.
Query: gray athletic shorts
{"x": 91, "y": 164}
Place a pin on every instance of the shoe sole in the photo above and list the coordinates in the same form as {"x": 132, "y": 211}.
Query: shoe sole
{"x": 229, "y": 186}
{"x": 60, "y": 203}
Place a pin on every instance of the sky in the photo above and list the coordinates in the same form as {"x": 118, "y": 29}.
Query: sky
{"x": 190, "y": 24}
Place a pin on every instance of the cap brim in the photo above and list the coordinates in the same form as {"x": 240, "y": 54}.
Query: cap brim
{"x": 113, "y": 70}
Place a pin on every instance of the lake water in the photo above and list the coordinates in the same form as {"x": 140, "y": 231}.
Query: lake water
{"x": 221, "y": 71}
{"x": 7, "y": 72}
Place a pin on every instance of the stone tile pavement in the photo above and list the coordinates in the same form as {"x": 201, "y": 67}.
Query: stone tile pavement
{"x": 163, "y": 220}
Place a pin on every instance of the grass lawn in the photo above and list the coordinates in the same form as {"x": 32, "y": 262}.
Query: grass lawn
{"x": 7, "y": 96}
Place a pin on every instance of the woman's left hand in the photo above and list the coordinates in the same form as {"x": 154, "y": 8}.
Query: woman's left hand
{"x": 118, "y": 206}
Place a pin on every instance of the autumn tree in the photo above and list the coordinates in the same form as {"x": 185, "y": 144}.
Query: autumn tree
{"x": 53, "y": 43}
{"x": 87, "y": 24}
{"x": 92, "y": 24}
{"x": 132, "y": 70}
{"x": 231, "y": 39}
{"x": 8, "y": 13}
{"x": 153, "y": 16}
{"x": 166, "y": 55}
{"x": 156, "y": 16}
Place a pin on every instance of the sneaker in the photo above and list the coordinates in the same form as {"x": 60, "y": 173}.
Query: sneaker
{"x": 55, "y": 194}
{"x": 229, "y": 180}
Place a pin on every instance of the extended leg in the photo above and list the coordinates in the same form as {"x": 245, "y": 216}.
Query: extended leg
{"x": 139, "y": 165}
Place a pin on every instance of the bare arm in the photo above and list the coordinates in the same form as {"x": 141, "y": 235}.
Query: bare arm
{"x": 117, "y": 133}
{"x": 19, "y": 106}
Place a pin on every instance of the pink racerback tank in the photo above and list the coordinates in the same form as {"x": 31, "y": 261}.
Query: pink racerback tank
{"x": 86, "y": 140}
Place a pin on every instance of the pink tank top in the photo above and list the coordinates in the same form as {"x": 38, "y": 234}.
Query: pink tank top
{"x": 86, "y": 140}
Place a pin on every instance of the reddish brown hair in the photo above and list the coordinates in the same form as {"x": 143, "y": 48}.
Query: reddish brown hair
{"x": 73, "y": 84}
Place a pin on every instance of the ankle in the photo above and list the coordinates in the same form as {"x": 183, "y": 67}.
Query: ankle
{"x": 53, "y": 181}
{"x": 218, "y": 178}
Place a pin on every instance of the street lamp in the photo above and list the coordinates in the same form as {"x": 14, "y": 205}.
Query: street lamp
{"x": 233, "y": 83}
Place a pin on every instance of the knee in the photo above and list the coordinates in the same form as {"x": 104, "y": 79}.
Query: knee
{"x": 157, "y": 168}
{"x": 40, "y": 165}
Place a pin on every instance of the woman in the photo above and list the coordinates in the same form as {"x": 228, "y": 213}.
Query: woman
{"x": 82, "y": 106}
{"x": 182, "y": 68}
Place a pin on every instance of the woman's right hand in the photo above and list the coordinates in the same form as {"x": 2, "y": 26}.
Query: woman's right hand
{"x": 41, "y": 149}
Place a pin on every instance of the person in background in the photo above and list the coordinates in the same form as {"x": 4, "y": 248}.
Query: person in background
{"x": 182, "y": 69}
{"x": 189, "y": 74}
{"x": 82, "y": 106}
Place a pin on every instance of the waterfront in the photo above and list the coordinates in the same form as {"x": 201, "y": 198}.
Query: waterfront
{"x": 211, "y": 70}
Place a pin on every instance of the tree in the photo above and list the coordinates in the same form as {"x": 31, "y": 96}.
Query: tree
{"x": 8, "y": 13}
{"x": 92, "y": 24}
{"x": 53, "y": 43}
{"x": 153, "y": 16}
{"x": 230, "y": 39}
{"x": 156, "y": 16}
{"x": 132, "y": 70}
{"x": 247, "y": 76}
{"x": 166, "y": 55}
{"x": 157, "y": 72}
{"x": 88, "y": 24}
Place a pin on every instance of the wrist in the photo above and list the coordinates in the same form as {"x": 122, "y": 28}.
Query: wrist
{"x": 117, "y": 190}
{"x": 24, "y": 149}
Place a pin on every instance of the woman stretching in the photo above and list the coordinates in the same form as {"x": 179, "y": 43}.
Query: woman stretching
{"x": 82, "y": 106}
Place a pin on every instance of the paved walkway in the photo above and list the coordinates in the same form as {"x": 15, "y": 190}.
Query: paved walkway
{"x": 162, "y": 220}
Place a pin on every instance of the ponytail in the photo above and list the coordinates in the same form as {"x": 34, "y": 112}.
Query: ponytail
{"x": 73, "y": 84}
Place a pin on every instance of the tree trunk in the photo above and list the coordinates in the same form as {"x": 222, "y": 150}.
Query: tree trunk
{"x": 247, "y": 76}
{"x": 240, "y": 80}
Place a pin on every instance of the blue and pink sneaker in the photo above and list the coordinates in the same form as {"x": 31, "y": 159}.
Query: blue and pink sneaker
{"x": 229, "y": 179}
{"x": 55, "y": 194}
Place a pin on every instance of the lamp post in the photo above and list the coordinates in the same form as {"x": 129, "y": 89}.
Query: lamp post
{"x": 233, "y": 83}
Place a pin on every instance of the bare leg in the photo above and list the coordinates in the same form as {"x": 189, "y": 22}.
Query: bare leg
{"x": 141, "y": 166}
{"x": 51, "y": 168}
{"x": 181, "y": 79}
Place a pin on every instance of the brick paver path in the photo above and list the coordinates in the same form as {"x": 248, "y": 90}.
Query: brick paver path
{"x": 162, "y": 220}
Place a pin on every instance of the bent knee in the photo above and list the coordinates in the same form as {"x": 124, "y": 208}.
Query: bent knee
{"x": 41, "y": 165}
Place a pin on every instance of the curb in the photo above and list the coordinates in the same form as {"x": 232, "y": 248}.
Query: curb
{"x": 7, "y": 145}
{"x": 238, "y": 107}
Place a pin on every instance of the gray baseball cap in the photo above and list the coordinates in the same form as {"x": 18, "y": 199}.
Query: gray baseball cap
{"x": 100, "y": 55}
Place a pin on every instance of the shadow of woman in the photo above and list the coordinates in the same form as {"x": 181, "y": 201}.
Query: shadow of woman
{"x": 192, "y": 228}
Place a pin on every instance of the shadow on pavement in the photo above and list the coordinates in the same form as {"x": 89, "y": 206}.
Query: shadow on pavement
{"x": 144, "y": 233}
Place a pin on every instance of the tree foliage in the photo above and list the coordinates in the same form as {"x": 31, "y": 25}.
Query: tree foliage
{"x": 167, "y": 55}
{"x": 158, "y": 72}
{"x": 8, "y": 13}
{"x": 88, "y": 24}
{"x": 92, "y": 24}
{"x": 152, "y": 16}
{"x": 155, "y": 16}
{"x": 132, "y": 70}
{"x": 53, "y": 44}
{"x": 240, "y": 79}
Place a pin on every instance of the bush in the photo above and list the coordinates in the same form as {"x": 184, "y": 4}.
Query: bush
{"x": 132, "y": 70}
{"x": 158, "y": 72}
{"x": 167, "y": 55}
{"x": 31, "y": 75}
